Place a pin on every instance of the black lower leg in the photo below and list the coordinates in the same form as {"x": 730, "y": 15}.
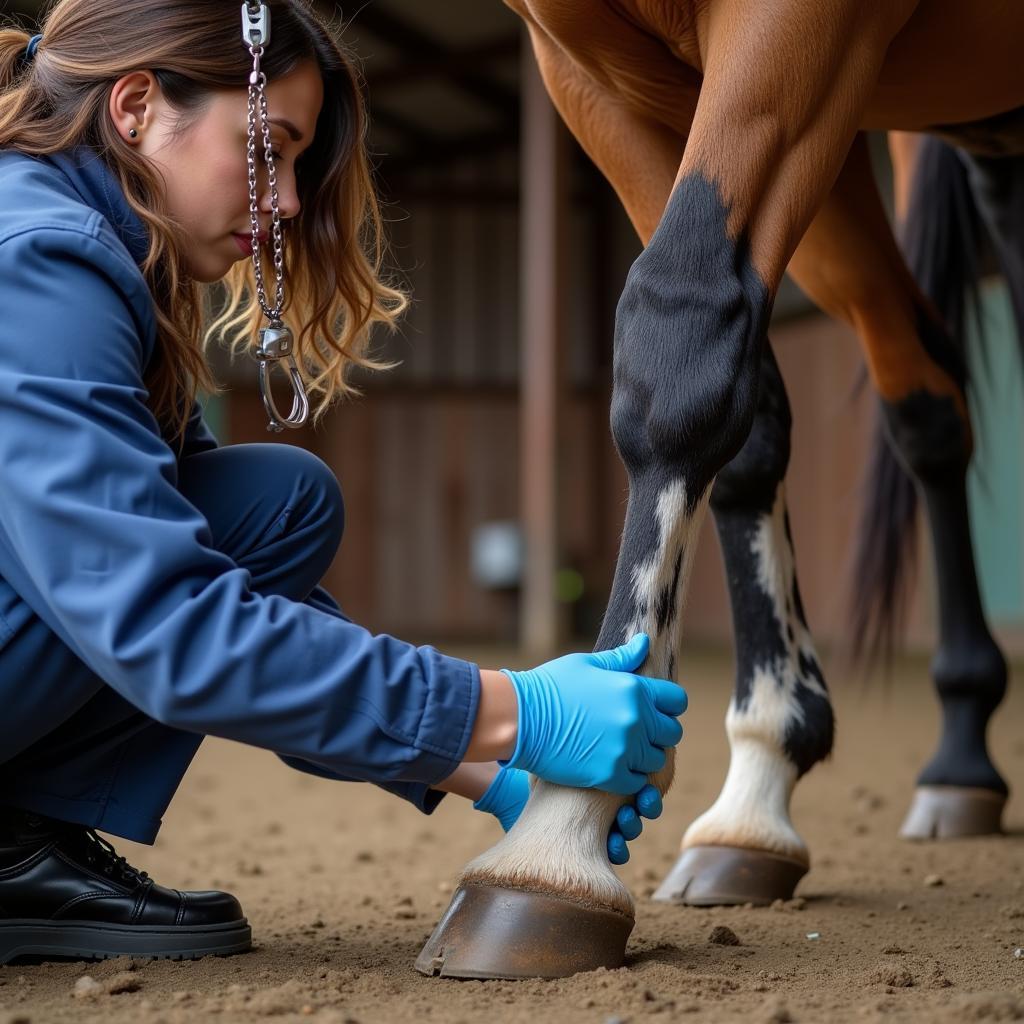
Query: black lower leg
{"x": 932, "y": 438}
{"x": 772, "y": 639}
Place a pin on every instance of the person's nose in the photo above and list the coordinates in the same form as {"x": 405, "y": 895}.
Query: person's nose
{"x": 288, "y": 202}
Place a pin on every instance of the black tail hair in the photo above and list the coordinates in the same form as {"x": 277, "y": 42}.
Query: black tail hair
{"x": 941, "y": 239}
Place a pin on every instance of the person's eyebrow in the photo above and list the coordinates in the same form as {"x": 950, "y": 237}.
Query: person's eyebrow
{"x": 293, "y": 132}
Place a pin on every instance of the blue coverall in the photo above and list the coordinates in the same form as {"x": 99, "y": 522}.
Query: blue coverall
{"x": 147, "y": 597}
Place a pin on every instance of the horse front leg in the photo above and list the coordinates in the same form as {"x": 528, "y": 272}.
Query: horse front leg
{"x": 545, "y": 902}
{"x": 744, "y": 849}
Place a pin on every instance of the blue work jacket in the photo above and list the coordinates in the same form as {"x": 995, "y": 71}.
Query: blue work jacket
{"x": 97, "y": 540}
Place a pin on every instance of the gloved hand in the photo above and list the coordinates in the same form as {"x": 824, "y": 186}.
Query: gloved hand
{"x": 507, "y": 794}
{"x": 586, "y": 720}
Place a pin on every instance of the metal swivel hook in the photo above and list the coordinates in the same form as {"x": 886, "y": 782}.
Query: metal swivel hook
{"x": 274, "y": 345}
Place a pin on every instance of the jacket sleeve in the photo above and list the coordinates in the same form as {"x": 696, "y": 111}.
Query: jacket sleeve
{"x": 98, "y": 540}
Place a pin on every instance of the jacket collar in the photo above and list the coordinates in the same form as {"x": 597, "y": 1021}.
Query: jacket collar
{"x": 100, "y": 189}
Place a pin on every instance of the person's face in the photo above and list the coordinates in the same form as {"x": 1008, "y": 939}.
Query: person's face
{"x": 205, "y": 169}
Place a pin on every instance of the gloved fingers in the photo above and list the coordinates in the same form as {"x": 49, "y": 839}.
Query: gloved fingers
{"x": 664, "y": 731}
{"x": 668, "y": 698}
{"x": 627, "y": 783}
{"x": 628, "y": 822}
{"x": 648, "y": 802}
{"x": 618, "y": 851}
{"x": 651, "y": 760}
{"x": 626, "y": 658}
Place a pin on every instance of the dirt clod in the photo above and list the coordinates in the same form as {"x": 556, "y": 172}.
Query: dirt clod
{"x": 723, "y": 936}
{"x": 86, "y": 986}
{"x": 892, "y": 976}
{"x": 121, "y": 983}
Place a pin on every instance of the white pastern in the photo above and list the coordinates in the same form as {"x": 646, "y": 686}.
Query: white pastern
{"x": 752, "y": 810}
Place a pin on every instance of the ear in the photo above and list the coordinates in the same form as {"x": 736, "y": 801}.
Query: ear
{"x": 134, "y": 101}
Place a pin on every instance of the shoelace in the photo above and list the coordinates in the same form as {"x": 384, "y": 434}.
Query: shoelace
{"x": 109, "y": 860}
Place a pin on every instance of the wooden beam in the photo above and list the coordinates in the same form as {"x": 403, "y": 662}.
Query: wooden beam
{"x": 543, "y": 281}
{"x": 440, "y": 152}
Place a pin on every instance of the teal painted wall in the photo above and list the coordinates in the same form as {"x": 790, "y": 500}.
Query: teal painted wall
{"x": 214, "y": 412}
{"x": 996, "y": 479}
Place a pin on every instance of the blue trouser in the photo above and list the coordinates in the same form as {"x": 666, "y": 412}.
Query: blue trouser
{"x": 70, "y": 746}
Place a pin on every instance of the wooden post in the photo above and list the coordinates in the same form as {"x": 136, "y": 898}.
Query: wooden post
{"x": 544, "y": 167}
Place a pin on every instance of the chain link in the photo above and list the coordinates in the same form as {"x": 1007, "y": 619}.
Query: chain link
{"x": 258, "y": 99}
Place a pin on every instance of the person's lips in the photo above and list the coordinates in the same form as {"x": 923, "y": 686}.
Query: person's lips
{"x": 245, "y": 242}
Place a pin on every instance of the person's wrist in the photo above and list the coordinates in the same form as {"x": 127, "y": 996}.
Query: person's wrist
{"x": 515, "y": 757}
{"x": 496, "y": 728}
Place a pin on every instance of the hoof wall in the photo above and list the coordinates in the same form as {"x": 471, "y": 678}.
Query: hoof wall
{"x": 710, "y": 876}
{"x": 488, "y": 932}
{"x": 947, "y": 812}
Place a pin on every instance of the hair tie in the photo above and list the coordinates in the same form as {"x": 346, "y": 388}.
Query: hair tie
{"x": 30, "y": 50}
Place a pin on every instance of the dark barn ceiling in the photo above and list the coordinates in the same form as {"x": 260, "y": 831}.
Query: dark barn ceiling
{"x": 441, "y": 78}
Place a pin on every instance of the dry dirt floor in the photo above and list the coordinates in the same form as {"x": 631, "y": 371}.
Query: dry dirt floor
{"x": 342, "y": 884}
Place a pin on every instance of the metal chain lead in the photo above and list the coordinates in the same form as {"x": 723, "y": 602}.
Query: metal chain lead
{"x": 275, "y": 342}
{"x": 258, "y": 96}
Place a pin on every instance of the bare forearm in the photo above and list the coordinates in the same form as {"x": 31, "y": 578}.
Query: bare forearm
{"x": 470, "y": 780}
{"x": 497, "y": 720}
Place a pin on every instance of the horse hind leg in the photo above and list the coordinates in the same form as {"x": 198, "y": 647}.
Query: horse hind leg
{"x": 744, "y": 849}
{"x": 960, "y": 791}
{"x": 850, "y": 265}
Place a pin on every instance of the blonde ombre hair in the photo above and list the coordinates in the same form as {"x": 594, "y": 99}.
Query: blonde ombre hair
{"x": 334, "y": 250}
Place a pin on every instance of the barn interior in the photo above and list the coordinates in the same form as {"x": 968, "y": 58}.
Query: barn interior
{"x": 484, "y": 497}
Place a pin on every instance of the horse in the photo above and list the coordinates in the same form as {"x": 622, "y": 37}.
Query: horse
{"x": 734, "y": 136}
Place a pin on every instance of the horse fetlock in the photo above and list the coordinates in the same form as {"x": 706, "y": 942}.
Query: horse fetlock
{"x": 752, "y": 810}
{"x": 973, "y": 670}
{"x": 558, "y": 846}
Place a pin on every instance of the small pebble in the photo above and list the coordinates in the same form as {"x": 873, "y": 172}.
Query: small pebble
{"x": 933, "y": 881}
{"x": 1019, "y": 953}
{"x": 902, "y": 906}
{"x": 722, "y": 936}
{"x": 814, "y": 935}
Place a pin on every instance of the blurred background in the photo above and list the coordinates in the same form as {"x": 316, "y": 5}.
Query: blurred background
{"x": 484, "y": 497}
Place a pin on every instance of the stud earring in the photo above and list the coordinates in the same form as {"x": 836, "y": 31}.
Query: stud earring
{"x": 133, "y": 133}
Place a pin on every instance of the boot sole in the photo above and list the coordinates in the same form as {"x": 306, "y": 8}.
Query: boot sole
{"x": 87, "y": 940}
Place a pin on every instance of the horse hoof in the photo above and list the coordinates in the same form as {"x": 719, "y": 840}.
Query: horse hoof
{"x": 488, "y": 932}
{"x": 710, "y": 876}
{"x": 946, "y": 812}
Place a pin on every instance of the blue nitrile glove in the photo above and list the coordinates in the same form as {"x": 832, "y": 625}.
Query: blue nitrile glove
{"x": 646, "y": 804}
{"x": 506, "y": 796}
{"x": 586, "y": 720}
{"x": 508, "y": 792}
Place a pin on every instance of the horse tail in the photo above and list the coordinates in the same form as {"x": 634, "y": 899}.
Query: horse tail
{"x": 941, "y": 241}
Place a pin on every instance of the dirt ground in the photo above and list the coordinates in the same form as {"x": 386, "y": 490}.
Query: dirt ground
{"x": 343, "y": 883}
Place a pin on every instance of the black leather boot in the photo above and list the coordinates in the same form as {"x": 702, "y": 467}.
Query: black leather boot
{"x": 64, "y": 892}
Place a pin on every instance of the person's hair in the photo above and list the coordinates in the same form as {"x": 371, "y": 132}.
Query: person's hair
{"x": 335, "y": 290}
